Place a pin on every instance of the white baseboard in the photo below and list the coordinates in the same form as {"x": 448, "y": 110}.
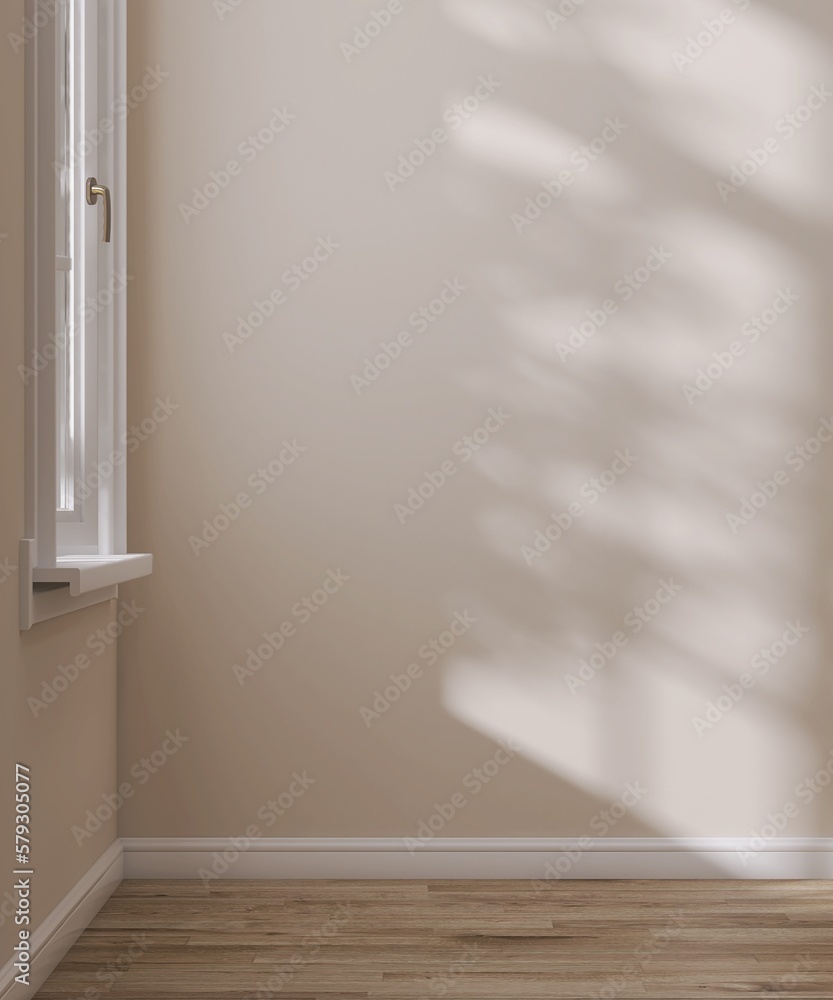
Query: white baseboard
{"x": 496, "y": 858}
{"x": 53, "y": 938}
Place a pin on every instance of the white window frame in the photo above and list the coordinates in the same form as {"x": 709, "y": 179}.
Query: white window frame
{"x": 73, "y": 558}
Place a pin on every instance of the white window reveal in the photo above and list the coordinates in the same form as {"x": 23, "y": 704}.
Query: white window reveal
{"x": 75, "y": 550}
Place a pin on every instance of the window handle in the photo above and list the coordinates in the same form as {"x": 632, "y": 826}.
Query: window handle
{"x": 94, "y": 192}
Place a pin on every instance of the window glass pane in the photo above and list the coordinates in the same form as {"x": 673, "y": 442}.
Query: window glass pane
{"x": 65, "y": 326}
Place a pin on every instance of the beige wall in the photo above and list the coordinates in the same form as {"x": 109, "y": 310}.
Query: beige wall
{"x": 495, "y": 346}
{"x": 70, "y": 745}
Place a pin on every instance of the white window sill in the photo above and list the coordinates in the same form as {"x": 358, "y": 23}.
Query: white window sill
{"x": 75, "y": 582}
{"x": 85, "y": 574}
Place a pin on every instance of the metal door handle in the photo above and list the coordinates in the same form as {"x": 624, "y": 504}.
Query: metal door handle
{"x": 94, "y": 192}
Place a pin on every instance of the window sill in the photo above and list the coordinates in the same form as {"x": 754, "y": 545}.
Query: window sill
{"x": 85, "y": 574}
{"x": 76, "y": 582}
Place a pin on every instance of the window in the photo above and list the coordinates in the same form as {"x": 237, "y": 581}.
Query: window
{"x": 74, "y": 553}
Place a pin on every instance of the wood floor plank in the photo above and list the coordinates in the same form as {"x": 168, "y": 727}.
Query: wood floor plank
{"x": 470, "y": 940}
